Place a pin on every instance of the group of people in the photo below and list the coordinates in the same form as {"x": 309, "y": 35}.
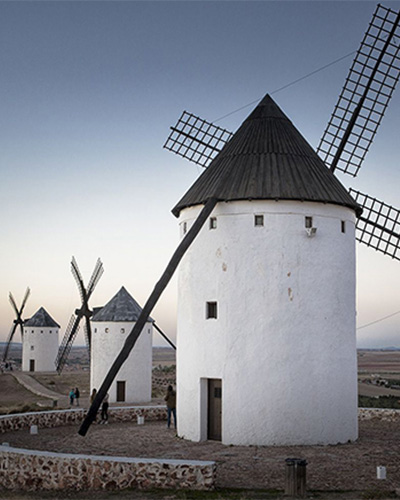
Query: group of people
{"x": 74, "y": 395}
{"x": 170, "y": 399}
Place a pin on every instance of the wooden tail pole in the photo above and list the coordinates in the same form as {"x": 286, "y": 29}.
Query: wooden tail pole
{"x": 148, "y": 307}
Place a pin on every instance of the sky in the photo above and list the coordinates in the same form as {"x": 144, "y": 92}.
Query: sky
{"x": 89, "y": 90}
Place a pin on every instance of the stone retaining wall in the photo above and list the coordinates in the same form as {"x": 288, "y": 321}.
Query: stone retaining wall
{"x": 41, "y": 470}
{"x": 59, "y": 418}
{"x": 386, "y": 414}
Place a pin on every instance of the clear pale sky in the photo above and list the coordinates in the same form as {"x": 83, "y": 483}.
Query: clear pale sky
{"x": 89, "y": 90}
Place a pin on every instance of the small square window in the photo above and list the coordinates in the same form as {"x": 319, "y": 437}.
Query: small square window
{"x": 343, "y": 226}
{"x": 50, "y": 331}
{"x": 106, "y": 330}
{"x": 122, "y": 330}
{"x": 213, "y": 223}
{"x": 258, "y": 220}
{"x": 308, "y": 222}
{"x": 32, "y": 347}
{"x": 211, "y": 310}
{"x": 95, "y": 330}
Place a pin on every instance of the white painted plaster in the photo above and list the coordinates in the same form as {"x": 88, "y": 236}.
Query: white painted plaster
{"x": 136, "y": 371}
{"x": 284, "y": 341}
{"x": 41, "y": 345}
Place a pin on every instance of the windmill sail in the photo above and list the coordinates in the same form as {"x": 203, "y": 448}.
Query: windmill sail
{"x": 84, "y": 312}
{"x": 196, "y": 139}
{"x": 365, "y": 96}
{"x": 379, "y": 225}
{"x": 18, "y": 320}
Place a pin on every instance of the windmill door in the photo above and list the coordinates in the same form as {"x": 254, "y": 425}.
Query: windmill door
{"x": 214, "y": 409}
{"x": 31, "y": 365}
{"x": 121, "y": 388}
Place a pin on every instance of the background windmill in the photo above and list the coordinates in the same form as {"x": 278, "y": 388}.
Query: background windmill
{"x": 354, "y": 122}
{"x": 82, "y": 312}
{"x": 371, "y": 82}
{"x": 18, "y": 321}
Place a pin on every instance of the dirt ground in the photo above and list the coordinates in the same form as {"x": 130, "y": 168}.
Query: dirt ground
{"x": 346, "y": 467}
{"x": 14, "y": 397}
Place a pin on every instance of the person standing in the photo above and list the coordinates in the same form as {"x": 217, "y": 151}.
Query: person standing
{"x": 104, "y": 410}
{"x": 71, "y": 397}
{"x": 170, "y": 399}
{"x": 77, "y": 394}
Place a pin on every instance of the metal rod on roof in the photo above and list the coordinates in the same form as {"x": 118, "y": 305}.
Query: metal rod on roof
{"x": 164, "y": 336}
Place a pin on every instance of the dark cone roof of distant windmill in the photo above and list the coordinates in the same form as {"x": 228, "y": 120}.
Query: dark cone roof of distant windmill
{"x": 122, "y": 307}
{"x": 267, "y": 159}
{"x": 41, "y": 318}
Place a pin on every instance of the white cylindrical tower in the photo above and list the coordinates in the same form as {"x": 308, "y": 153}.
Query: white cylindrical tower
{"x": 40, "y": 343}
{"x": 266, "y": 347}
{"x": 110, "y": 327}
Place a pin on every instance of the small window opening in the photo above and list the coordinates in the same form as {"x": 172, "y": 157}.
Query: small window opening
{"x": 343, "y": 226}
{"x": 95, "y": 330}
{"x": 184, "y": 227}
{"x": 308, "y": 222}
{"x": 211, "y": 310}
{"x": 122, "y": 330}
{"x": 258, "y": 220}
{"x": 213, "y": 223}
{"x": 106, "y": 330}
{"x": 32, "y": 347}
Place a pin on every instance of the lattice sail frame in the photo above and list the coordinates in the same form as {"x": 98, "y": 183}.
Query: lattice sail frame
{"x": 365, "y": 96}
{"x": 379, "y": 225}
{"x": 196, "y": 139}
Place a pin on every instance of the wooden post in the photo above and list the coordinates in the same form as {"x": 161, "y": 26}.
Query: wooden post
{"x": 148, "y": 307}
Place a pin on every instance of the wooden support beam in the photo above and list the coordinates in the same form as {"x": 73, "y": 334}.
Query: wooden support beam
{"x": 148, "y": 307}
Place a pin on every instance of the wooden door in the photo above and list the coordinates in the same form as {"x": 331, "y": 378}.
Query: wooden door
{"x": 31, "y": 365}
{"x": 121, "y": 390}
{"x": 214, "y": 409}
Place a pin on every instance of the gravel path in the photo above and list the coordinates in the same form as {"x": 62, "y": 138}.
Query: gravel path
{"x": 342, "y": 467}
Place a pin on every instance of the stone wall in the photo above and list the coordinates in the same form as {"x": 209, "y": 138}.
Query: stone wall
{"x": 58, "y": 418}
{"x": 39, "y": 470}
{"x": 386, "y": 414}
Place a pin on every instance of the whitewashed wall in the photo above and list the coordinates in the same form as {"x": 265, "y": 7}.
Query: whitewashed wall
{"x": 40, "y": 344}
{"x": 284, "y": 341}
{"x": 136, "y": 371}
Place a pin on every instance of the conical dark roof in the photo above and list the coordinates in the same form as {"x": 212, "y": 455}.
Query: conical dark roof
{"x": 41, "y": 318}
{"x": 267, "y": 159}
{"x": 122, "y": 307}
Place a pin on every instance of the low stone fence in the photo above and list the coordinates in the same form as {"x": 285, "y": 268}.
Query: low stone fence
{"x": 385, "y": 414}
{"x": 59, "y": 418}
{"x": 40, "y": 470}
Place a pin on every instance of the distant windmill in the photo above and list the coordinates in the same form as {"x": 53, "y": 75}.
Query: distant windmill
{"x": 367, "y": 91}
{"x": 17, "y": 322}
{"x": 82, "y": 312}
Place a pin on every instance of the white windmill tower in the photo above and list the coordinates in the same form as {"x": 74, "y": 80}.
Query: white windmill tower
{"x": 110, "y": 328}
{"x": 266, "y": 295}
{"x": 40, "y": 342}
{"x": 267, "y": 287}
